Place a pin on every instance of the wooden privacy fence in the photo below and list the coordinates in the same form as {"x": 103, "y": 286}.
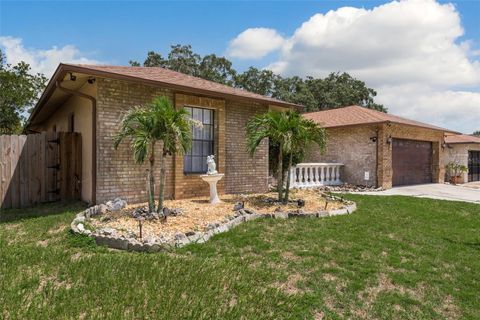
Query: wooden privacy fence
{"x": 39, "y": 168}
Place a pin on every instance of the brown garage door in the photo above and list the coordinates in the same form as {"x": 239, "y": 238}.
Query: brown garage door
{"x": 411, "y": 162}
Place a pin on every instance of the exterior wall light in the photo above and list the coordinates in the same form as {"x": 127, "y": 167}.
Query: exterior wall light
{"x": 389, "y": 140}
{"x": 91, "y": 80}
{"x": 73, "y": 77}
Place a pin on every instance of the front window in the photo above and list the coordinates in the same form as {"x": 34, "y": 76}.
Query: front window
{"x": 195, "y": 160}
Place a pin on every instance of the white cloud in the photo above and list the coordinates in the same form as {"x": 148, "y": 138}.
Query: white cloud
{"x": 255, "y": 43}
{"x": 41, "y": 60}
{"x": 409, "y": 51}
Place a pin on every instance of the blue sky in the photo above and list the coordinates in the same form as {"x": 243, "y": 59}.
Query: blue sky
{"x": 117, "y": 31}
{"x": 114, "y": 32}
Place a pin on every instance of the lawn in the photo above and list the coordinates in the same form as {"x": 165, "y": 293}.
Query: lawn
{"x": 395, "y": 257}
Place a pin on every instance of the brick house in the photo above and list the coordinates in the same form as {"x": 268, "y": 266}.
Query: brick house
{"x": 464, "y": 149}
{"x": 92, "y": 100}
{"x": 390, "y": 150}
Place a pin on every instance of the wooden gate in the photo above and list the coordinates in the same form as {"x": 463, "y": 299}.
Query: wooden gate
{"x": 38, "y": 168}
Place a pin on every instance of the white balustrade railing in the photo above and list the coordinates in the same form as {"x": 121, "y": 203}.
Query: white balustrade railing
{"x": 308, "y": 175}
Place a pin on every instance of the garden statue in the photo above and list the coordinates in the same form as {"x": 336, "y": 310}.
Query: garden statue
{"x": 211, "y": 165}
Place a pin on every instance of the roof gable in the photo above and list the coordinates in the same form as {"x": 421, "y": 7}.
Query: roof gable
{"x": 356, "y": 115}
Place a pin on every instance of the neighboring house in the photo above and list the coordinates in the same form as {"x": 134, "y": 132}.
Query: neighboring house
{"x": 92, "y": 100}
{"x": 388, "y": 149}
{"x": 464, "y": 149}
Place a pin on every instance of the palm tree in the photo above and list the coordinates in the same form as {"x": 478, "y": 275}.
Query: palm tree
{"x": 139, "y": 125}
{"x": 291, "y": 134}
{"x": 304, "y": 133}
{"x": 157, "y": 122}
{"x": 174, "y": 131}
{"x": 273, "y": 126}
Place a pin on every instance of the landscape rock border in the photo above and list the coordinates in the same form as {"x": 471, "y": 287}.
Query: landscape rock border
{"x": 110, "y": 239}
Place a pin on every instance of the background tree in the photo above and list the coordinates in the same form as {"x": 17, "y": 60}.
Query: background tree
{"x": 334, "y": 91}
{"x": 476, "y": 133}
{"x": 258, "y": 81}
{"x": 19, "y": 91}
{"x": 217, "y": 69}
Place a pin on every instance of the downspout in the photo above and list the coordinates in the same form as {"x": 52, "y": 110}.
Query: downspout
{"x": 94, "y": 134}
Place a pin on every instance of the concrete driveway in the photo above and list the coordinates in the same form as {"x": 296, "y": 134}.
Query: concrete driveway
{"x": 434, "y": 191}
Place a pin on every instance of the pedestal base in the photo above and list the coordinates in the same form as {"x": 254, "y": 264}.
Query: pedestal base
{"x": 212, "y": 180}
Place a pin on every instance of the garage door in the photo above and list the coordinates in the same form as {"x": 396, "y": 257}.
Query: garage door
{"x": 411, "y": 162}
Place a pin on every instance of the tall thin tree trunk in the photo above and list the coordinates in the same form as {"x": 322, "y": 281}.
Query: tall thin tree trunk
{"x": 151, "y": 178}
{"x": 287, "y": 191}
{"x": 161, "y": 191}
{"x": 280, "y": 173}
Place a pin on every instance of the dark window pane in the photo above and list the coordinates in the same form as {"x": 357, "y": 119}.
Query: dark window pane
{"x": 197, "y": 148}
{"x": 207, "y": 148}
{"x": 187, "y": 163}
{"x": 197, "y": 164}
{"x": 195, "y": 159}
{"x": 207, "y": 132}
{"x": 207, "y": 116}
{"x": 197, "y": 132}
{"x": 197, "y": 114}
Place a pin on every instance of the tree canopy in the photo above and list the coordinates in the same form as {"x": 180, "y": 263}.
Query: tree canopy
{"x": 476, "y": 133}
{"x": 334, "y": 91}
{"x": 19, "y": 91}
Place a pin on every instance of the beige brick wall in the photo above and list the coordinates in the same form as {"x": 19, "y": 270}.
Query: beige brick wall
{"x": 119, "y": 176}
{"x": 352, "y": 147}
{"x": 459, "y": 153}
{"x": 117, "y": 173}
{"x": 244, "y": 173}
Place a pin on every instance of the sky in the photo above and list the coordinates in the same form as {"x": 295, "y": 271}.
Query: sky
{"x": 421, "y": 56}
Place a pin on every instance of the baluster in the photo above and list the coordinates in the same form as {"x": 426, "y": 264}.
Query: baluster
{"x": 322, "y": 175}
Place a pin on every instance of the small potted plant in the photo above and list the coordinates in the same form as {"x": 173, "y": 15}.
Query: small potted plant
{"x": 455, "y": 171}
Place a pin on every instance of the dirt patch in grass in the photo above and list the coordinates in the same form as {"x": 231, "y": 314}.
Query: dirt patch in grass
{"x": 58, "y": 229}
{"x": 43, "y": 243}
{"x": 448, "y": 309}
{"x": 198, "y": 212}
{"x": 290, "y": 286}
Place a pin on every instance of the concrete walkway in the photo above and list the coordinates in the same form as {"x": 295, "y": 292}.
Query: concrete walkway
{"x": 433, "y": 191}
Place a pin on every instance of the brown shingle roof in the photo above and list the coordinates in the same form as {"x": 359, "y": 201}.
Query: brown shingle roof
{"x": 356, "y": 115}
{"x": 180, "y": 80}
{"x": 461, "y": 138}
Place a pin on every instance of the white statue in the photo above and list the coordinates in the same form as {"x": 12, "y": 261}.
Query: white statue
{"x": 211, "y": 165}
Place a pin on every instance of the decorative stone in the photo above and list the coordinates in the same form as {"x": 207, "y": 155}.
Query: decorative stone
{"x": 108, "y": 236}
{"x": 102, "y": 209}
{"x": 281, "y": 215}
{"x": 116, "y": 205}
{"x": 301, "y": 203}
{"x": 238, "y": 206}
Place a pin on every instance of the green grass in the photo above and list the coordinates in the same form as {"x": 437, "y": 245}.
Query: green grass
{"x": 395, "y": 258}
